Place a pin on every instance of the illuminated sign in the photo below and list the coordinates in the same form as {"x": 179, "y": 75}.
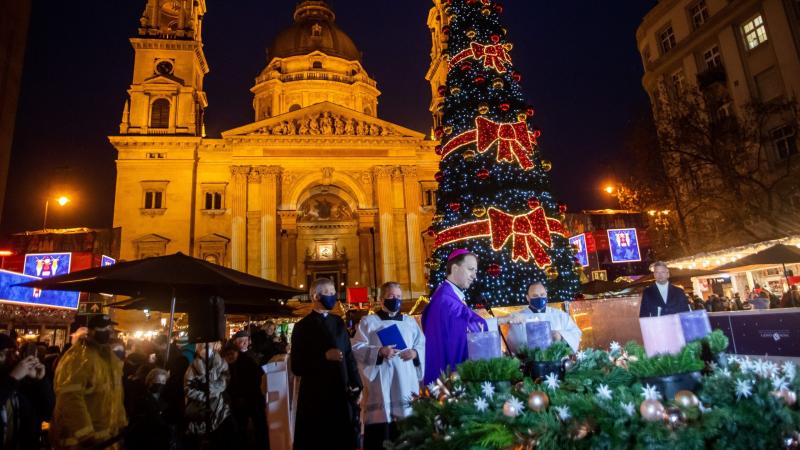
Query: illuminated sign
{"x": 30, "y": 296}
{"x": 107, "y": 261}
{"x": 623, "y": 243}
{"x": 46, "y": 265}
{"x": 579, "y": 244}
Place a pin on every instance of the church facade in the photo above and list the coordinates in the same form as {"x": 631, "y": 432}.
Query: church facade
{"x": 317, "y": 185}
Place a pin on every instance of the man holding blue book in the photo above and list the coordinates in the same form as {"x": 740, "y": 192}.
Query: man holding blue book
{"x": 390, "y": 349}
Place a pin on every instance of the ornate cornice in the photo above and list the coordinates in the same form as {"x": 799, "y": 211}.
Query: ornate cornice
{"x": 240, "y": 171}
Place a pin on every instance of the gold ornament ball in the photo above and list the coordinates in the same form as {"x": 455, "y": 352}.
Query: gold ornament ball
{"x": 538, "y": 401}
{"x": 483, "y": 108}
{"x": 448, "y": 130}
{"x": 508, "y": 46}
{"x": 471, "y": 34}
{"x": 498, "y": 83}
{"x": 686, "y": 399}
{"x": 522, "y": 117}
{"x": 651, "y": 410}
{"x": 547, "y": 165}
{"x": 479, "y": 211}
{"x": 486, "y": 11}
{"x": 788, "y": 396}
{"x": 580, "y": 430}
{"x": 674, "y": 417}
{"x": 469, "y": 155}
{"x": 455, "y": 90}
{"x": 509, "y": 410}
{"x": 552, "y": 273}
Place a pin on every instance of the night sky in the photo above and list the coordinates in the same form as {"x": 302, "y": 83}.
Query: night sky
{"x": 579, "y": 61}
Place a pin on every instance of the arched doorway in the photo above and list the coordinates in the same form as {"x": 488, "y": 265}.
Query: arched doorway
{"x": 327, "y": 239}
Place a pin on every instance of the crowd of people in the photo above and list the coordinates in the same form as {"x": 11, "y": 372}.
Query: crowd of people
{"x": 758, "y": 298}
{"x": 101, "y": 392}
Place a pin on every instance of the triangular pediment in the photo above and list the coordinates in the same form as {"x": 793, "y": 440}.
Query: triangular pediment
{"x": 164, "y": 79}
{"x": 324, "y": 120}
{"x": 151, "y": 238}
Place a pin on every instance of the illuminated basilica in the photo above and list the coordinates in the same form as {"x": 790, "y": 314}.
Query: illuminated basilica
{"x": 316, "y": 185}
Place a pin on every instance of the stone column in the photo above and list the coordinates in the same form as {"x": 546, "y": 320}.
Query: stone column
{"x": 238, "y": 206}
{"x": 269, "y": 230}
{"x": 413, "y": 197}
{"x": 288, "y": 247}
{"x": 383, "y": 192}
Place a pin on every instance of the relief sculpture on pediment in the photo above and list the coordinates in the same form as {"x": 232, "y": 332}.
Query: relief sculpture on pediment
{"x": 326, "y": 124}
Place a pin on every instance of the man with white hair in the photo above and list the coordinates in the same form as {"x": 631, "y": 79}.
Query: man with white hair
{"x": 329, "y": 381}
{"x": 662, "y": 298}
{"x": 391, "y": 374}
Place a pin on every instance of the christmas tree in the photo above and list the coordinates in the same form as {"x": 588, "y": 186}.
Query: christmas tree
{"x": 494, "y": 188}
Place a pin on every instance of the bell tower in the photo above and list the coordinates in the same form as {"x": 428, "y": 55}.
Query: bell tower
{"x": 166, "y": 95}
{"x": 437, "y": 73}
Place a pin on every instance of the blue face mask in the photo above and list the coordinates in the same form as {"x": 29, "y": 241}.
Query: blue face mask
{"x": 328, "y": 301}
{"x": 538, "y": 304}
{"x": 392, "y": 304}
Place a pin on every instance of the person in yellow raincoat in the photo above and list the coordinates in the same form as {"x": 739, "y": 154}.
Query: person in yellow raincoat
{"x": 89, "y": 408}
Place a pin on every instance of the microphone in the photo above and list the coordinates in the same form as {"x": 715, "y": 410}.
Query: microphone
{"x": 491, "y": 313}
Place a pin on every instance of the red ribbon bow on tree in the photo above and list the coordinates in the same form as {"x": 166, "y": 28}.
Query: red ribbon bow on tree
{"x": 530, "y": 233}
{"x": 493, "y": 55}
{"x": 514, "y": 140}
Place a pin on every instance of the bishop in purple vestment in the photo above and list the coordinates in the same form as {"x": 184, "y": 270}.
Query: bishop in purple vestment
{"x": 447, "y": 318}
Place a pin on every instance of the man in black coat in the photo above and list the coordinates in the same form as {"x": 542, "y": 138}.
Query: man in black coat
{"x": 329, "y": 381}
{"x": 662, "y": 298}
{"x": 248, "y": 403}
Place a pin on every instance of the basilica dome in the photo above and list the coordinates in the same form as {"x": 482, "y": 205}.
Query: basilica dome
{"x": 314, "y": 29}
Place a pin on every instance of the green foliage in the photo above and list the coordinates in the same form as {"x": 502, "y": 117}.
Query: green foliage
{"x": 717, "y": 342}
{"x": 497, "y": 369}
{"x": 555, "y": 352}
{"x": 688, "y": 360}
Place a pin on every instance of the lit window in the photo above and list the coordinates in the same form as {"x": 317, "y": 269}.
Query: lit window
{"x": 699, "y": 14}
{"x": 712, "y": 58}
{"x": 785, "y": 141}
{"x": 159, "y": 114}
{"x": 666, "y": 39}
{"x": 213, "y": 200}
{"x": 153, "y": 199}
{"x": 754, "y": 31}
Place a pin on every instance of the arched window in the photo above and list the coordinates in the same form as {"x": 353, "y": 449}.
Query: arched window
{"x": 316, "y": 65}
{"x": 159, "y": 114}
{"x": 294, "y": 107}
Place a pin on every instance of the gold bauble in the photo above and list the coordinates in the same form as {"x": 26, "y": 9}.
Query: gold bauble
{"x": 471, "y": 34}
{"x": 788, "y": 396}
{"x": 508, "y": 46}
{"x": 538, "y": 401}
{"x": 498, "y": 83}
{"x": 468, "y": 155}
{"x": 522, "y": 117}
{"x": 547, "y": 165}
{"x": 486, "y": 11}
{"x": 674, "y": 417}
{"x": 552, "y": 273}
{"x": 479, "y": 211}
{"x": 652, "y": 410}
{"x": 448, "y": 130}
{"x": 686, "y": 399}
{"x": 580, "y": 430}
{"x": 483, "y": 108}
{"x": 455, "y": 90}
{"x": 510, "y": 410}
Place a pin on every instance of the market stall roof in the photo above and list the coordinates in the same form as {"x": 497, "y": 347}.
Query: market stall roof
{"x": 776, "y": 255}
{"x": 676, "y": 276}
{"x": 262, "y": 307}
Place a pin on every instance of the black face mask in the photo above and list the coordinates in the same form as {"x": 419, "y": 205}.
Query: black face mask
{"x": 392, "y": 304}
{"x": 102, "y": 337}
{"x": 120, "y": 354}
{"x": 156, "y": 388}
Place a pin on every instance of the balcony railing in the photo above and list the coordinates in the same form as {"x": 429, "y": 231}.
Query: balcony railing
{"x": 322, "y": 76}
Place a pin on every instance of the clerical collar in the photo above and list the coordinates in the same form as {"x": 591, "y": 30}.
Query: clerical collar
{"x": 322, "y": 312}
{"x": 457, "y": 290}
{"x": 385, "y": 316}
{"x": 535, "y": 311}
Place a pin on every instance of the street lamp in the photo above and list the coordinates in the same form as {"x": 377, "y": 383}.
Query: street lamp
{"x": 62, "y": 200}
{"x": 609, "y": 189}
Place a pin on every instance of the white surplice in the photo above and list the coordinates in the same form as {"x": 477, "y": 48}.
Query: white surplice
{"x": 388, "y": 386}
{"x": 559, "y": 321}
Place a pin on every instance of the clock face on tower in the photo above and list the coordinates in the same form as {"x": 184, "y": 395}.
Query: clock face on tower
{"x": 164, "y": 68}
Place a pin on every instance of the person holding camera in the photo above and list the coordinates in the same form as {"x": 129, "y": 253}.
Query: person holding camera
{"x": 26, "y": 397}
